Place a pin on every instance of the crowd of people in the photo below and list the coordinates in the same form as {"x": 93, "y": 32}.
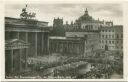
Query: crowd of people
{"x": 98, "y": 71}
{"x": 101, "y": 68}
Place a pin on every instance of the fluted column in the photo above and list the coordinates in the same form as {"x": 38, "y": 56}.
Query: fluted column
{"x": 12, "y": 60}
{"x": 56, "y": 47}
{"x": 48, "y": 43}
{"x": 42, "y": 43}
{"x": 18, "y": 35}
{"x": 66, "y": 47}
{"x": 62, "y": 47}
{"x": 71, "y": 47}
{"x": 35, "y": 43}
{"x": 20, "y": 64}
{"x": 26, "y": 54}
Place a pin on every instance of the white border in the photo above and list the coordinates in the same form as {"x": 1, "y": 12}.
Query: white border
{"x": 125, "y": 15}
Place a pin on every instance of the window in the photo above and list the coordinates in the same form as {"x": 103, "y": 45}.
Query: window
{"x": 112, "y": 36}
{"x": 106, "y": 41}
{"x": 117, "y": 36}
{"x": 121, "y": 35}
{"x": 109, "y": 30}
{"x": 91, "y": 27}
{"x": 102, "y": 41}
{"x": 87, "y": 27}
{"x": 109, "y": 42}
{"x": 121, "y": 41}
{"x": 122, "y": 47}
{"x": 106, "y": 36}
{"x": 102, "y": 36}
{"x": 102, "y": 30}
{"x": 117, "y": 42}
{"x": 113, "y": 42}
{"x": 109, "y": 36}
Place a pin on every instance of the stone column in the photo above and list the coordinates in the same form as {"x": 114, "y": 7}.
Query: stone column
{"x": 12, "y": 60}
{"x": 62, "y": 47}
{"x": 71, "y": 47}
{"x": 20, "y": 55}
{"x": 57, "y": 47}
{"x": 42, "y": 43}
{"x": 67, "y": 47}
{"x": 26, "y": 53}
{"x": 18, "y": 35}
{"x": 36, "y": 44}
{"x": 48, "y": 43}
{"x": 81, "y": 49}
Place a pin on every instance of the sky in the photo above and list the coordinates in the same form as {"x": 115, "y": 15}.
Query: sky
{"x": 69, "y": 12}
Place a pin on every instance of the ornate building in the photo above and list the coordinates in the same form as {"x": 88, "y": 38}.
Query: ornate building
{"x": 86, "y": 26}
{"x": 25, "y": 37}
{"x": 81, "y": 37}
{"x": 87, "y": 23}
{"x": 93, "y": 29}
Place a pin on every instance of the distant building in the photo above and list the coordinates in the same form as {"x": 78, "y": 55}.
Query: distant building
{"x": 80, "y": 43}
{"x": 67, "y": 45}
{"x": 87, "y": 23}
{"x": 112, "y": 38}
{"x": 91, "y": 43}
{"x": 99, "y": 34}
{"x": 58, "y": 29}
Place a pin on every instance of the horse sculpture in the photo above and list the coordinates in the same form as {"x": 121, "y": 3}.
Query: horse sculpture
{"x": 26, "y": 15}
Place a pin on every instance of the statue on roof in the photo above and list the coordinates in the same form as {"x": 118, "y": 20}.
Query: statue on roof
{"x": 26, "y": 15}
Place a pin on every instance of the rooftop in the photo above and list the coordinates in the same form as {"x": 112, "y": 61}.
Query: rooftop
{"x": 15, "y": 44}
{"x": 26, "y": 19}
{"x": 67, "y": 38}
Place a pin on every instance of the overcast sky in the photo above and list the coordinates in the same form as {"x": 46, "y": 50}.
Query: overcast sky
{"x": 69, "y": 12}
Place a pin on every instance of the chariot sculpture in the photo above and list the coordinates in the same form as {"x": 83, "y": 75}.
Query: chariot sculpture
{"x": 26, "y": 15}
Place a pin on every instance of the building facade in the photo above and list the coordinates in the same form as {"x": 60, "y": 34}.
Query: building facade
{"x": 24, "y": 37}
{"x": 91, "y": 43}
{"x": 84, "y": 27}
{"x": 66, "y": 45}
{"x": 112, "y": 38}
{"x": 100, "y": 35}
{"x": 87, "y": 23}
{"x": 15, "y": 56}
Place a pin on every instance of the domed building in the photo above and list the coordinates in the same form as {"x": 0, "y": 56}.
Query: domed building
{"x": 85, "y": 17}
{"x": 86, "y": 23}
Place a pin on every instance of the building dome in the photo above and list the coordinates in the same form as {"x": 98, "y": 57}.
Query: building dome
{"x": 85, "y": 17}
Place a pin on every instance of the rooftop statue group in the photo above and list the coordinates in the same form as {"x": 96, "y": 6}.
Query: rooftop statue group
{"x": 26, "y": 15}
